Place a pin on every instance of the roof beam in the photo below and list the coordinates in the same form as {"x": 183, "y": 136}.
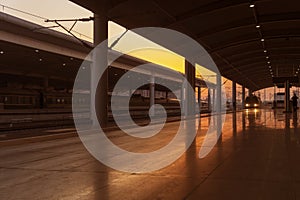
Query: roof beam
{"x": 261, "y": 64}
{"x": 265, "y": 19}
{"x": 248, "y": 53}
{"x": 212, "y": 7}
{"x": 262, "y": 59}
{"x": 252, "y": 40}
{"x": 252, "y": 70}
{"x": 237, "y": 70}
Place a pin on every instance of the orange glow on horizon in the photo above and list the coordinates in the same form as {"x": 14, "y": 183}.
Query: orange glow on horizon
{"x": 161, "y": 57}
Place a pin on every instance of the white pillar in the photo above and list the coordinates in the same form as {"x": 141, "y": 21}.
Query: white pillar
{"x": 208, "y": 100}
{"x": 199, "y": 98}
{"x": 219, "y": 106}
{"x": 219, "y": 94}
{"x": 265, "y": 95}
{"x": 183, "y": 100}
{"x": 243, "y": 96}
{"x": 233, "y": 96}
{"x": 214, "y": 100}
{"x": 190, "y": 95}
{"x": 287, "y": 96}
{"x": 99, "y": 96}
{"x": 152, "y": 94}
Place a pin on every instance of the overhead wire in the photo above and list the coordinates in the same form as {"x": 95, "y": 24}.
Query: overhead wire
{"x": 39, "y": 17}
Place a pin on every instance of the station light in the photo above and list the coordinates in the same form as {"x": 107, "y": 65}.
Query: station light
{"x": 252, "y": 5}
{"x": 40, "y": 59}
{"x": 37, "y": 50}
{"x": 269, "y": 62}
{"x": 64, "y": 64}
{"x": 1, "y": 52}
{"x": 262, "y": 39}
{"x": 257, "y": 26}
{"x": 265, "y": 51}
{"x": 267, "y": 57}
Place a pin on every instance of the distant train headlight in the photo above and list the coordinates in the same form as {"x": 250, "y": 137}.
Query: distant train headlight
{"x": 247, "y": 104}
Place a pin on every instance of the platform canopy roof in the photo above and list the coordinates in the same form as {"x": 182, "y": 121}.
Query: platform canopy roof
{"x": 228, "y": 29}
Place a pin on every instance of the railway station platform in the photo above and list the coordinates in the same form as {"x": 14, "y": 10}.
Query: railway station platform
{"x": 257, "y": 157}
{"x": 22, "y": 124}
{"x": 213, "y": 59}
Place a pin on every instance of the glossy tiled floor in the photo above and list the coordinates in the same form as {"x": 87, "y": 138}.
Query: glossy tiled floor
{"x": 257, "y": 157}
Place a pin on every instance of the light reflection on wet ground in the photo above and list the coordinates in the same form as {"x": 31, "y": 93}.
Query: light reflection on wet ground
{"x": 257, "y": 157}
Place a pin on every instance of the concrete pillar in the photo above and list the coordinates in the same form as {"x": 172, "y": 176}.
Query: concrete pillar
{"x": 275, "y": 97}
{"x": 199, "y": 98}
{"x": 190, "y": 95}
{"x": 233, "y": 96}
{"x": 219, "y": 106}
{"x": 287, "y": 96}
{"x": 208, "y": 100}
{"x": 265, "y": 95}
{"x": 243, "y": 96}
{"x": 183, "y": 100}
{"x": 99, "y": 96}
{"x": 152, "y": 94}
{"x": 219, "y": 94}
{"x": 167, "y": 95}
{"x": 213, "y": 100}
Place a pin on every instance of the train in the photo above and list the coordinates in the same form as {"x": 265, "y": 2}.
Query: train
{"x": 252, "y": 101}
{"x": 26, "y": 99}
{"x": 34, "y": 99}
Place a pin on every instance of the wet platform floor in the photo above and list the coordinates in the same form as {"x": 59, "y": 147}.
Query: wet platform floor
{"x": 257, "y": 157}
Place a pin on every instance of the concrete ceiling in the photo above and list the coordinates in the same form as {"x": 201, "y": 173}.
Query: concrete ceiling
{"x": 227, "y": 29}
{"x": 28, "y": 62}
{"x": 29, "y": 52}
